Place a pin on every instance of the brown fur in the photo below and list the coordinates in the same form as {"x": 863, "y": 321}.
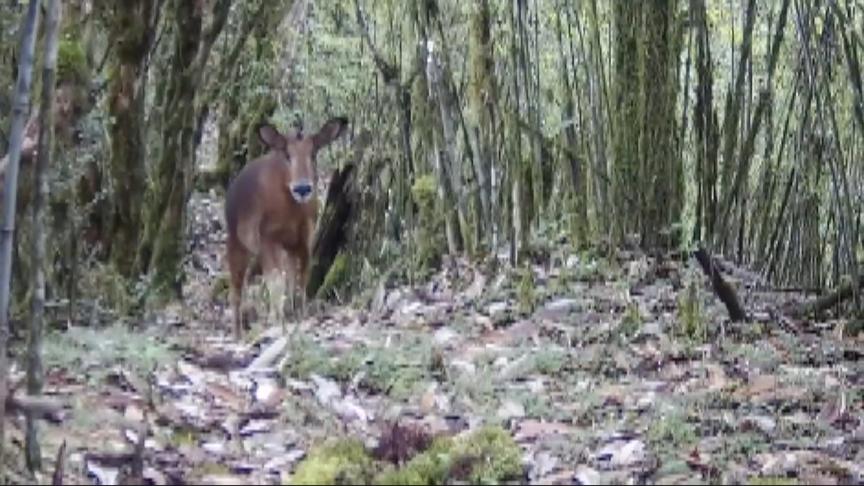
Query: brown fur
{"x": 265, "y": 221}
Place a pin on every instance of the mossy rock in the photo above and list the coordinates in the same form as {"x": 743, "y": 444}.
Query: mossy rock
{"x": 486, "y": 456}
{"x": 493, "y": 455}
{"x": 430, "y": 467}
{"x": 343, "y": 461}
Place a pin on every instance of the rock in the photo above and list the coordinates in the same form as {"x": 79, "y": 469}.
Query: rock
{"x": 325, "y": 390}
{"x": 621, "y": 453}
{"x": 586, "y": 475}
{"x": 511, "y": 409}
{"x": 444, "y": 335}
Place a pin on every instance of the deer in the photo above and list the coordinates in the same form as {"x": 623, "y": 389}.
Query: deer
{"x": 271, "y": 210}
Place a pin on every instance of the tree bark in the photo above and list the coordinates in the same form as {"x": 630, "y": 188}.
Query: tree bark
{"x": 661, "y": 171}
{"x": 724, "y": 291}
{"x": 627, "y": 16}
{"x": 131, "y": 35}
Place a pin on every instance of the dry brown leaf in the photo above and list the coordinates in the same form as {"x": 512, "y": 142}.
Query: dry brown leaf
{"x": 531, "y": 429}
{"x": 225, "y": 396}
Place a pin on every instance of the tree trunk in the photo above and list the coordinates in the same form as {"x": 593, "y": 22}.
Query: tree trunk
{"x": 626, "y": 85}
{"x": 573, "y": 163}
{"x": 163, "y": 242}
{"x": 130, "y": 35}
{"x": 705, "y": 120}
{"x": 40, "y": 180}
{"x": 20, "y": 108}
{"x": 481, "y": 98}
{"x": 662, "y": 171}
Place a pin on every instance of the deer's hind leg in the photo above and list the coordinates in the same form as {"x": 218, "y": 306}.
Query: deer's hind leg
{"x": 238, "y": 266}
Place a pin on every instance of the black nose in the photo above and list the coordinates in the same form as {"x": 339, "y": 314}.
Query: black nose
{"x": 302, "y": 190}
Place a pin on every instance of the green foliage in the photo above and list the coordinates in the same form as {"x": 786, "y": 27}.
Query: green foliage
{"x": 99, "y": 350}
{"x": 671, "y": 430}
{"x": 527, "y": 298}
{"x": 396, "y": 371}
{"x": 690, "y": 321}
{"x": 631, "y": 322}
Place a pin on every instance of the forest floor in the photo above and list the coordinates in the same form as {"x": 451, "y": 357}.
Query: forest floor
{"x": 599, "y": 369}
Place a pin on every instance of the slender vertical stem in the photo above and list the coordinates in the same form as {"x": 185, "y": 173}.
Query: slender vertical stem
{"x": 10, "y": 190}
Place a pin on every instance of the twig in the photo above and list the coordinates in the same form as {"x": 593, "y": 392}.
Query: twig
{"x": 59, "y": 465}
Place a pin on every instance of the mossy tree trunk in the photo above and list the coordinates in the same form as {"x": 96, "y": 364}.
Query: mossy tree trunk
{"x": 627, "y": 18}
{"x": 573, "y": 164}
{"x": 243, "y": 103}
{"x": 163, "y": 243}
{"x": 662, "y": 172}
{"x": 481, "y": 102}
{"x": 131, "y": 36}
{"x": 440, "y": 142}
{"x": 706, "y": 130}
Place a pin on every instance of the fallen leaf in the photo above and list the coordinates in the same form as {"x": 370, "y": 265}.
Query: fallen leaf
{"x": 529, "y": 430}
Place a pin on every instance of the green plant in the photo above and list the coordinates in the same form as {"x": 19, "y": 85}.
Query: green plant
{"x": 690, "y": 321}
{"x": 526, "y": 291}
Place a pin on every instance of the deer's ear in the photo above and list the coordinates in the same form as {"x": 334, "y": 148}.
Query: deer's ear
{"x": 330, "y": 131}
{"x": 271, "y": 137}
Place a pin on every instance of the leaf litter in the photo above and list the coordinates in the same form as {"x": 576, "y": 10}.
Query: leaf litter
{"x": 597, "y": 383}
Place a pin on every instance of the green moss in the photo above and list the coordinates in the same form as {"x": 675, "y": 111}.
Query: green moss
{"x": 486, "y": 456}
{"x": 72, "y": 63}
{"x": 496, "y": 457}
{"x": 337, "y": 276}
{"x": 341, "y": 461}
{"x": 430, "y": 467}
{"x": 220, "y": 288}
{"x": 430, "y": 243}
